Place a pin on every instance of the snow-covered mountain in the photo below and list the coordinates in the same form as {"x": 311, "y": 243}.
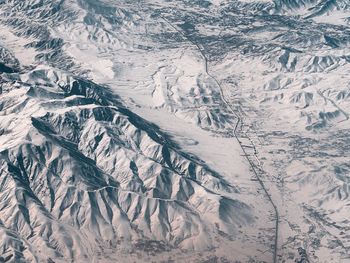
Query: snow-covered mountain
{"x": 174, "y": 131}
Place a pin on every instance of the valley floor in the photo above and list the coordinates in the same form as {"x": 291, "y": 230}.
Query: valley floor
{"x": 174, "y": 131}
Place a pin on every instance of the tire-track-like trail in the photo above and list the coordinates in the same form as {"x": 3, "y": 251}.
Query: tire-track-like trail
{"x": 237, "y": 128}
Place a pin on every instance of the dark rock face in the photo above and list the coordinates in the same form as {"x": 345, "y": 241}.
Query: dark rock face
{"x": 174, "y": 131}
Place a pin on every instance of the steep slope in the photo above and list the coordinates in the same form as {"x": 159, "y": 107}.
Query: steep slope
{"x": 78, "y": 168}
{"x": 162, "y": 131}
{"x": 85, "y": 178}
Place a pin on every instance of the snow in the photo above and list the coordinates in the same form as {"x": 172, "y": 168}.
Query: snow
{"x": 135, "y": 139}
{"x": 26, "y": 56}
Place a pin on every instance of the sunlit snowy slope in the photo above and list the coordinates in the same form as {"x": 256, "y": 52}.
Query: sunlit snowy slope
{"x": 174, "y": 131}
